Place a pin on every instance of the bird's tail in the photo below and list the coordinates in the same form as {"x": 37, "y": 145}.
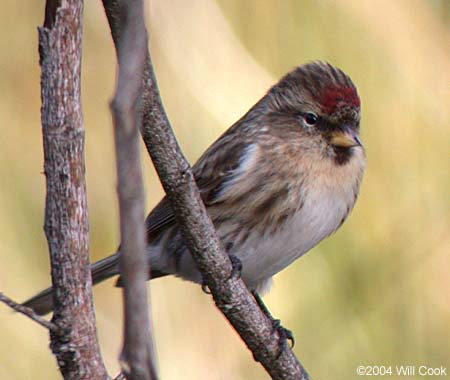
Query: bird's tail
{"x": 42, "y": 303}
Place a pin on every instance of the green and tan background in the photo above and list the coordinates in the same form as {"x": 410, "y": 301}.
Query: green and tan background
{"x": 377, "y": 292}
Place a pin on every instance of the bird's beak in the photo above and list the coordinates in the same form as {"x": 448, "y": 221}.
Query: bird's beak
{"x": 345, "y": 139}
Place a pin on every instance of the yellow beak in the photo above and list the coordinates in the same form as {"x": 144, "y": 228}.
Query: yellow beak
{"x": 345, "y": 139}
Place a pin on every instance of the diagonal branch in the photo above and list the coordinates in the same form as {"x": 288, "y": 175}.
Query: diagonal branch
{"x": 230, "y": 294}
{"x": 137, "y": 358}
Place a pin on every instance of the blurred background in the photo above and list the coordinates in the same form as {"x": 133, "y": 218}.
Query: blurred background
{"x": 375, "y": 293}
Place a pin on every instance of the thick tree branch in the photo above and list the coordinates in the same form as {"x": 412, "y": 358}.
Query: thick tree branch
{"x": 74, "y": 342}
{"x": 137, "y": 356}
{"x": 230, "y": 294}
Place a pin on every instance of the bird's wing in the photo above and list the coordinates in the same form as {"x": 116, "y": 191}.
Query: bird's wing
{"x": 212, "y": 173}
{"x": 210, "y": 181}
{"x": 160, "y": 218}
{"x": 221, "y": 163}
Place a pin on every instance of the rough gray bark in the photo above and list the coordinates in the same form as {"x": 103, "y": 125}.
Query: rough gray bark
{"x": 137, "y": 359}
{"x": 74, "y": 342}
{"x": 230, "y": 294}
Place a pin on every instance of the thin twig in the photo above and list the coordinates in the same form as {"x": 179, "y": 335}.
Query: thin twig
{"x": 28, "y": 312}
{"x": 137, "y": 359}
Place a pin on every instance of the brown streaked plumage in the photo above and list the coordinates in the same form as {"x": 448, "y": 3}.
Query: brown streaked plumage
{"x": 281, "y": 179}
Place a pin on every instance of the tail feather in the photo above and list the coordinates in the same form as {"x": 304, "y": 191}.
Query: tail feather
{"x": 105, "y": 268}
{"x": 42, "y": 303}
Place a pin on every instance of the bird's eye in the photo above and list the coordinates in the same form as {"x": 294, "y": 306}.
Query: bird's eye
{"x": 311, "y": 118}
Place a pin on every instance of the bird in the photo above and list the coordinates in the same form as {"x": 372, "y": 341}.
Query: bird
{"x": 281, "y": 179}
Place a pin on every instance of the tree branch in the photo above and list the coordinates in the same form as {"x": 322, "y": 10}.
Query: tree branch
{"x": 30, "y": 313}
{"x": 230, "y": 294}
{"x": 74, "y": 342}
{"x": 137, "y": 357}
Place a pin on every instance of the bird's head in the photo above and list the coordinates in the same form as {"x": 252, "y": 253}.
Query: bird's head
{"x": 323, "y": 101}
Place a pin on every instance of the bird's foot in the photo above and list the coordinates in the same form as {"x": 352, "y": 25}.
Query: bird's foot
{"x": 236, "y": 267}
{"x": 236, "y": 270}
{"x": 205, "y": 287}
{"x": 284, "y": 333}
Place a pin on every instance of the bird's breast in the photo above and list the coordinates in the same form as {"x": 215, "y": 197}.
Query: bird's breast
{"x": 327, "y": 196}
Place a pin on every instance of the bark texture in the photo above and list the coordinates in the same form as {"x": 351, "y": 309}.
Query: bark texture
{"x": 74, "y": 342}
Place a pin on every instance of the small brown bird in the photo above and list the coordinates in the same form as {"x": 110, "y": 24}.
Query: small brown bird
{"x": 281, "y": 179}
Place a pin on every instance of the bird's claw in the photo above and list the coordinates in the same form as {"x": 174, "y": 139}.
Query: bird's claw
{"x": 236, "y": 267}
{"x": 284, "y": 334}
{"x": 205, "y": 287}
{"x": 236, "y": 270}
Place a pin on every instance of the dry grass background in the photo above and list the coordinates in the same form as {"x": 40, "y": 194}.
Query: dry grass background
{"x": 375, "y": 293}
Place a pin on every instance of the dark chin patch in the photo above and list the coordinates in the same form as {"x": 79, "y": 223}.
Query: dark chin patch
{"x": 342, "y": 155}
